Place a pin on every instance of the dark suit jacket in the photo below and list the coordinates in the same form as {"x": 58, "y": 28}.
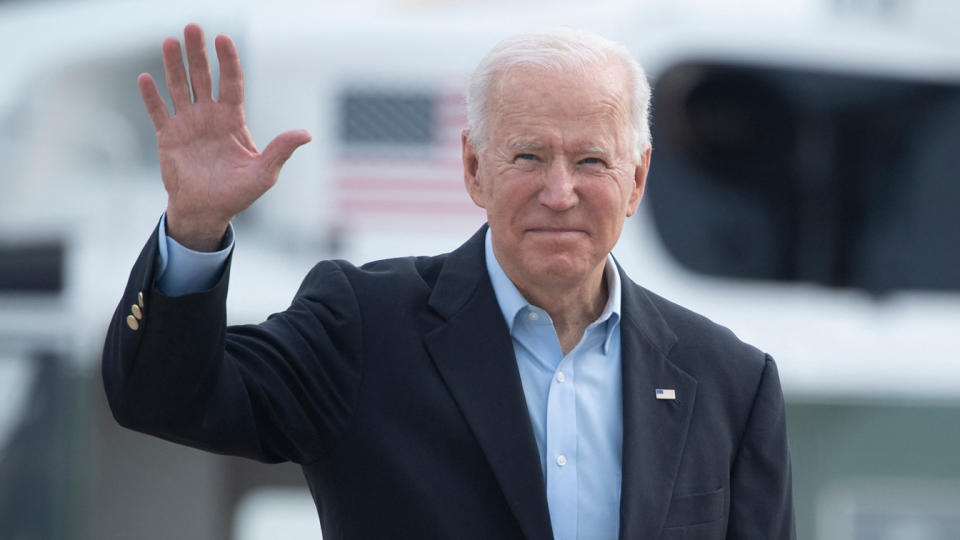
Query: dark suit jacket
{"x": 395, "y": 386}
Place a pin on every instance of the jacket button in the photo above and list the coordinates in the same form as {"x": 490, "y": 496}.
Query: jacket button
{"x": 132, "y": 323}
{"x": 135, "y": 309}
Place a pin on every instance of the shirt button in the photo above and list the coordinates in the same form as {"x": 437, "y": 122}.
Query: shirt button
{"x": 534, "y": 316}
{"x": 561, "y": 460}
{"x": 561, "y": 377}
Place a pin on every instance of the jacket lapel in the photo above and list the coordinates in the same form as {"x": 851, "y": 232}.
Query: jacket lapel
{"x": 474, "y": 354}
{"x": 654, "y": 430}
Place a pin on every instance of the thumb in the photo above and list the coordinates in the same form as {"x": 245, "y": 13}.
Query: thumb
{"x": 281, "y": 148}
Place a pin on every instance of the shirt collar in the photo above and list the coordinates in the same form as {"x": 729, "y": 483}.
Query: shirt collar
{"x": 511, "y": 302}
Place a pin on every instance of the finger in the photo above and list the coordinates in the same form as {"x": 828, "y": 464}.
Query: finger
{"x": 281, "y": 148}
{"x": 200, "y": 78}
{"x": 176, "y": 74}
{"x": 231, "y": 74}
{"x": 156, "y": 108}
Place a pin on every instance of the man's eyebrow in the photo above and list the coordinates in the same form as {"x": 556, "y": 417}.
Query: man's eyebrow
{"x": 594, "y": 149}
{"x": 525, "y": 146}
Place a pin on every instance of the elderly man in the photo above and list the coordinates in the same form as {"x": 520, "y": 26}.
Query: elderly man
{"x": 519, "y": 387}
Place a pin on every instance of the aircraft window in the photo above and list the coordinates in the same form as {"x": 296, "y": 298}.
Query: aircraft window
{"x": 387, "y": 118}
{"x": 790, "y": 175}
{"x": 32, "y": 268}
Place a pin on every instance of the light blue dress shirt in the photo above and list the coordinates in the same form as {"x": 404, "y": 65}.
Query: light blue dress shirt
{"x": 575, "y": 405}
{"x": 575, "y": 401}
{"x": 181, "y": 270}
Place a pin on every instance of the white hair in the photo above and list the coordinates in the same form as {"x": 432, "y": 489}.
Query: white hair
{"x": 558, "y": 49}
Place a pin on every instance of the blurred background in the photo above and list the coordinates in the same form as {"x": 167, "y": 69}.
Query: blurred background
{"x": 804, "y": 192}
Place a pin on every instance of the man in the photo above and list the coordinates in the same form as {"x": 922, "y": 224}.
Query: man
{"x": 519, "y": 387}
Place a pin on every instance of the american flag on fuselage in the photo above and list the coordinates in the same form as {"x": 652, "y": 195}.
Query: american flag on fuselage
{"x": 398, "y": 163}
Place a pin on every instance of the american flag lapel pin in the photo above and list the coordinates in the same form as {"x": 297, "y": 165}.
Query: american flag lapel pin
{"x": 666, "y": 393}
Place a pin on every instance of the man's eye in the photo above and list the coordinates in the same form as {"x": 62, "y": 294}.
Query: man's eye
{"x": 592, "y": 161}
{"x": 525, "y": 156}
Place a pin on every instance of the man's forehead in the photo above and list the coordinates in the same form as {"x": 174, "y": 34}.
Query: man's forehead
{"x": 597, "y": 92}
{"x": 602, "y": 129}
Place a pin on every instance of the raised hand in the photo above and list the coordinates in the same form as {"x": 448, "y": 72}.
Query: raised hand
{"x": 210, "y": 165}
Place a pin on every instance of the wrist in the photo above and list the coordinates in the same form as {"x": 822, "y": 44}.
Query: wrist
{"x": 206, "y": 235}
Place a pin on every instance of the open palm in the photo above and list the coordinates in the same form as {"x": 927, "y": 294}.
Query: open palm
{"x": 210, "y": 165}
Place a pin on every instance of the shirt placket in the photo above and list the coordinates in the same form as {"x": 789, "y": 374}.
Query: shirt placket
{"x": 562, "y": 492}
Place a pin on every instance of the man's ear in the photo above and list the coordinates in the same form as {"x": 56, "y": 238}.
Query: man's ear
{"x": 639, "y": 182}
{"x": 471, "y": 170}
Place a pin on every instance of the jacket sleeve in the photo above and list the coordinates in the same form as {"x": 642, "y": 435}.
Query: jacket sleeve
{"x": 761, "y": 506}
{"x": 280, "y": 390}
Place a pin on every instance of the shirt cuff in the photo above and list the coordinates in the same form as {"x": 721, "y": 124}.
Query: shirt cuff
{"x": 182, "y": 271}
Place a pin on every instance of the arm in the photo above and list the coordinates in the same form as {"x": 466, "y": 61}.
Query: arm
{"x": 281, "y": 390}
{"x": 761, "y": 505}
{"x": 171, "y": 367}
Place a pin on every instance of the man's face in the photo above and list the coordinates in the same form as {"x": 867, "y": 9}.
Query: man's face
{"x": 558, "y": 175}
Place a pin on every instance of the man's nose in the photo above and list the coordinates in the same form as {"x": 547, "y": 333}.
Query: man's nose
{"x": 559, "y": 187}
